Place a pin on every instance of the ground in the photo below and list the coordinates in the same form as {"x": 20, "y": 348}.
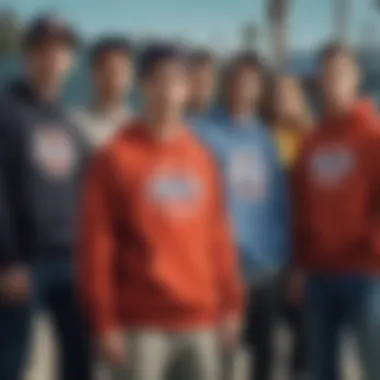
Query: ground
{"x": 42, "y": 357}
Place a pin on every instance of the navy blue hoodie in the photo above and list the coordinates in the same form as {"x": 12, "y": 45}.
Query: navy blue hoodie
{"x": 42, "y": 156}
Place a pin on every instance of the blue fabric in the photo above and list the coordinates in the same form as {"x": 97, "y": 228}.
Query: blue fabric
{"x": 337, "y": 302}
{"x": 260, "y": 326}
{"x": 255, "y": 189}
{"x": 52, "y": 288}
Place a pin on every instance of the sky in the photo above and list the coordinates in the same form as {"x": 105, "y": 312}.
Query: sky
{"x": 215, "y": 23}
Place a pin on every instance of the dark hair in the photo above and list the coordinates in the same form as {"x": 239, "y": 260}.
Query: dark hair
{"x": 155, "y": 54}
{"x": 333, "y": 49}
{"x": 48, "y": 28}
{"x": 108, "y": 45}
{"x": 268, "y": 107}
{"x": 201, "y": 57}
{"x": 245, "y": 59}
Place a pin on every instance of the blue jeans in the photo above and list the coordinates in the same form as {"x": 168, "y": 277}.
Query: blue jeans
{"x": 52, "y": 289}
{"x": 263, "y": 308}
{"x": 336, "y": 302}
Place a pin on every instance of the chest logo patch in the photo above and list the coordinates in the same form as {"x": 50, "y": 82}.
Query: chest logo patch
{"x": 53, "y": 152}
{"x": 174, "y": 192}
{"x": 331, "y": 165}
{"x": 247, "y": 174}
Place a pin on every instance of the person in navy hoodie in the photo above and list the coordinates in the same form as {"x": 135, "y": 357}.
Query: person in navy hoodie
{"x": 42, "y": 157}
{"x": 256, "y": 198}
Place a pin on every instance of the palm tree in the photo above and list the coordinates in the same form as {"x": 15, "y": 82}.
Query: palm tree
{"x": 10, "y": 33}
{"x": 341, "y": 19}
{"x": 277, "y": 16}
{"x": 250, "y": 34}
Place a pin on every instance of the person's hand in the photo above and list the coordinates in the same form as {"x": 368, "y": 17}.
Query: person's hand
{"x": 112, "y": 348}
{"x": 230, "y": 331}
{"x": 296, "y": 287}
{"x": 15, "y": 284}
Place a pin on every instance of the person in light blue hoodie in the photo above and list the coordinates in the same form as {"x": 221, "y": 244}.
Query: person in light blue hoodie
{"x": 256, "y": 199}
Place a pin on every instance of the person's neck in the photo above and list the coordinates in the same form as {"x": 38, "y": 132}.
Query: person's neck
{"x": 44, "y": 92}
{"x": 241, "y": 114}
{"x": 108, "y": 104}
{"x": 336, "y": 109}
{"x": 286, "y": 122}
{"x": 163, "y": 128}
{"x": 197, "y": 106}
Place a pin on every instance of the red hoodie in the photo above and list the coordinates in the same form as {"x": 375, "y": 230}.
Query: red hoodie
{"x": 155, "y": 248}
{"x": 336, "y": 195}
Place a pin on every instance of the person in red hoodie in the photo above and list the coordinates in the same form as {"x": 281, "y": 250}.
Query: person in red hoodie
{"x": 156, "y": 261}
{"x": 337, "y": 221}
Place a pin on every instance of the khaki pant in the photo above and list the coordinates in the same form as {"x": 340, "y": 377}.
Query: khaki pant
{"x": 150, "y": 355}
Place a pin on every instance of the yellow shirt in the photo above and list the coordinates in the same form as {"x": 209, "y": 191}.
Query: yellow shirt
{"x": 288, "y": 143}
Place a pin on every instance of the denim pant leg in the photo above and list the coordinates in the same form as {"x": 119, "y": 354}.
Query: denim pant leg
{"x": 294, "y": 316}
{"x": 15, "y": 329}
{"x": 366, "y": 324}
{"x": 260, "y": 327}
{"x": 16, "y": 320}
{"x": 68, "y": 322}
{"x": 324, "y": 322}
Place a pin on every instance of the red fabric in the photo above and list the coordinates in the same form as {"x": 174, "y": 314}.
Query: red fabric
{"x": 150, "y": 261}
{"x": 337, "y": 221}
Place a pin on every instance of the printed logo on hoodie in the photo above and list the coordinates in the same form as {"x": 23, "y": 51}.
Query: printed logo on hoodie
{"x": 247, "y": 173}
{"x": 53, "y": 152}
{"x": 174, "y": 191}
{"x": 331, "y": 165}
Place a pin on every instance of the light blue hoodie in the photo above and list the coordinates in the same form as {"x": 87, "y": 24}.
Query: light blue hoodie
{"x": 256, "y": 194}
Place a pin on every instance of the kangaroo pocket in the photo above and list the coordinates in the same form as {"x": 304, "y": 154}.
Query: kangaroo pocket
{"x": 185, "y": 284}
{"x": 339, "y": 244}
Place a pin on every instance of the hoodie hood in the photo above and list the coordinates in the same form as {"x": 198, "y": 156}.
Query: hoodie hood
{"x": 21, "y": 91}
{"x": 362, "y": 112}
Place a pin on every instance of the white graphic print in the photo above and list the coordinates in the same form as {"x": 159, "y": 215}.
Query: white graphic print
{"x": 174, "y": 192}
{"x": 247, "y": 173}
{"x": 54, "y": 152}
{"x": 331, "y": 165}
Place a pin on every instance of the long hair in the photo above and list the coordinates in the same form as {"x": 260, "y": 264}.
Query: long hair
{"x": 269, "y": 111}
{"x": 244, "y": 59}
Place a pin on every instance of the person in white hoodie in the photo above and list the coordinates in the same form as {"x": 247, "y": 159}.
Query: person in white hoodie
{"x": 111, "y": 75}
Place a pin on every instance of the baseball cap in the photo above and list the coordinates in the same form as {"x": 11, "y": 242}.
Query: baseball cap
{"x": 49, "y": 28}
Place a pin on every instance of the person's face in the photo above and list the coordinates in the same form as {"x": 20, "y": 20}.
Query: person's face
{"x": 112, "y": 75}
{"x": 287, "y": 98}
{"x": 165, "y": 90}
{"x": 202, "y": 82}
{"x": 244, "y": 87}
{"x": 339, "y": 79}
{"x": 50, "y": 62}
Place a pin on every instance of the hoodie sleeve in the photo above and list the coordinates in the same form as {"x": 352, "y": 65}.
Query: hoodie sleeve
{"x": 96, "y": 251}
{"x": 224, "y": 253}
{"x": 10, "y": 204}
{"x": 373, "y": 154}
{"x": 299, "y": 205}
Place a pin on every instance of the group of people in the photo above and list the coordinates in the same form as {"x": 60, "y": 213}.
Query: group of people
{"x": 163, "y": 239}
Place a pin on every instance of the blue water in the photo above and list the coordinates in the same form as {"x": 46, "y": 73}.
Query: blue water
{"x": 78, "y": 88}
